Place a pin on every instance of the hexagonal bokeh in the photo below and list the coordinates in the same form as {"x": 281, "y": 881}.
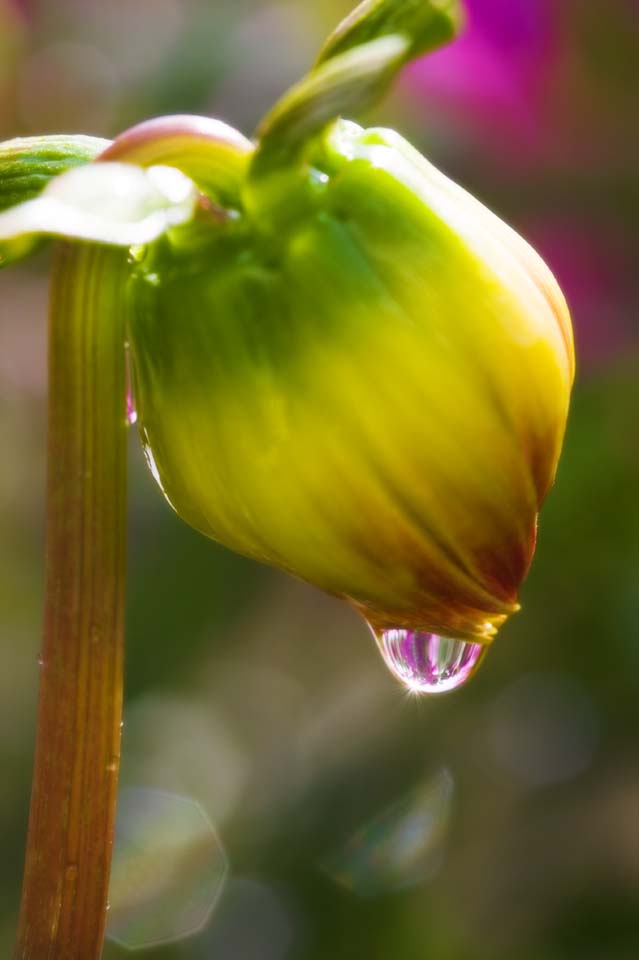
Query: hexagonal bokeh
{"x": 399, "y": 848}
{"x": 168, "y": 869}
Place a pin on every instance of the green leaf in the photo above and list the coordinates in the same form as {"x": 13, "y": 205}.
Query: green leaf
{"x": 113, "y": 203}
{"x": 426, "y": 24}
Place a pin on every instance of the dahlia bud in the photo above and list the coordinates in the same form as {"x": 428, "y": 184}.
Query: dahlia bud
{"x": 361, "y": 376}
{"x": 343, "y": 364}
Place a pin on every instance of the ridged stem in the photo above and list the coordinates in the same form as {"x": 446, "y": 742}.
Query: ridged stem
{"x": 70, "y": 836}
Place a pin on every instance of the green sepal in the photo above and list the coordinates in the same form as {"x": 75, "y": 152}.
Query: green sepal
{"x": 348, "y": 83}
{"x": 427, "y": 24}
{"x": 354, "y": 69}
{"x": 27, "y": 165}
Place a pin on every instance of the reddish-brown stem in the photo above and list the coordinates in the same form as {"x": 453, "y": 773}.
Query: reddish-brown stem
{"x": 70, "y": 834}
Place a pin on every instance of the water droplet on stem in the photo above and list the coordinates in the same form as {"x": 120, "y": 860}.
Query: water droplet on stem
{"x": 131, "y": 412}
{"x": 428, "y": 663}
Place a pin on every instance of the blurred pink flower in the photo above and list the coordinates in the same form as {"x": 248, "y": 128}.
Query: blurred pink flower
{"x": 595, "y": 269}
{"x": 493, "y": 76}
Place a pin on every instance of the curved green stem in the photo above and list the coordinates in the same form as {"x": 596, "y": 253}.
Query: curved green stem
{"x": 78, "y": 735}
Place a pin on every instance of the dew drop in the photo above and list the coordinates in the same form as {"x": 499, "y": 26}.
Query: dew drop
{"x": 428, "y": 663}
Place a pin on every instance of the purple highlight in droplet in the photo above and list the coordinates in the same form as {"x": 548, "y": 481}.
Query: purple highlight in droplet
{"x": 427, "y": 662}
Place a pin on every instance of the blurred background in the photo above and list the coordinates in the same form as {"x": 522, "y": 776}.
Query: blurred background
{"x": 281, "y": 797}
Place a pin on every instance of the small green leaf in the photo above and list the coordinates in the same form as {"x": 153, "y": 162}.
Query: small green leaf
{"x": 354, "y": 69}
{"x": 426, "y": 24}
{"x": 113, "y": 203}
{"x": 347, "y": 83}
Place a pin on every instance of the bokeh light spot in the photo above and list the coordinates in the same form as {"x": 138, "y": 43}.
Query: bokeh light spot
{"x": 169, "y": 869}
{"x": 400, "y": 847}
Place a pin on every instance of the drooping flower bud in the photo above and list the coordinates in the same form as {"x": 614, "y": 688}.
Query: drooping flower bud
{"x": 361, "y": 375}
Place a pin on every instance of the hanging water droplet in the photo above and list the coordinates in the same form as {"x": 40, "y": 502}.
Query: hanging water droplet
{"x": 428, "y": 663}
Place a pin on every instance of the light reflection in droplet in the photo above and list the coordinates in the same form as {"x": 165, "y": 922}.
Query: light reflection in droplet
{"x": 168, "y": 869}
{"x": 428, "y": 663}
{"x": 400, "y": 847}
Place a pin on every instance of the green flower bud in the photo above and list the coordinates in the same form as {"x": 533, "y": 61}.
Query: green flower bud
{"x": 344, "y": 365}
{"x": 361, "y": 376}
